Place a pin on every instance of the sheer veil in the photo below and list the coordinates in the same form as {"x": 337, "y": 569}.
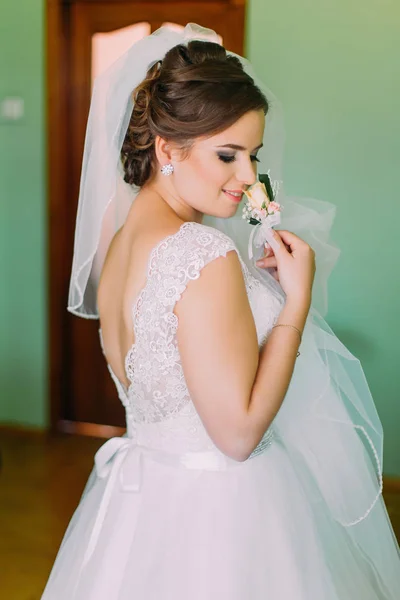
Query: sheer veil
{"x": 328, "y": 421}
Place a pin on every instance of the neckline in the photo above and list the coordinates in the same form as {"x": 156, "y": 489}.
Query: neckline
{"x": 134, "y": 304}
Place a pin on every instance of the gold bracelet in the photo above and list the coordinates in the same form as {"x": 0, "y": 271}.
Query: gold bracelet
{"x": 293, "y": 327}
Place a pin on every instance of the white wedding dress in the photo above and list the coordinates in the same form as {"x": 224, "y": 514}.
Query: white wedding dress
{"x": 166, "y": 516}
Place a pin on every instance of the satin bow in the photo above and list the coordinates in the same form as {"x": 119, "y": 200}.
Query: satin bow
{"x": 109, "y": 461}
{"x": 262, "y": 233}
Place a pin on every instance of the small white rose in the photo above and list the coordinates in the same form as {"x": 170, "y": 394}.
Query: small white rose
{"x": 257, "y": 196}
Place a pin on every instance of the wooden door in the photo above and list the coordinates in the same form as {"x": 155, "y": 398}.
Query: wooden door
{"x": 83, "y": 396}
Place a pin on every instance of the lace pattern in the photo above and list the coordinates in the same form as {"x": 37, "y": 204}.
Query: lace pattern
{"x": 159, "y": 410}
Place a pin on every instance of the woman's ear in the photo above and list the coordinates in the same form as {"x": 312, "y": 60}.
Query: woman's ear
{"x": 162, "y": 150}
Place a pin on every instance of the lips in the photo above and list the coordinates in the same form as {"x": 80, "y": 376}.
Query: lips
{"x": 235, "y": 195}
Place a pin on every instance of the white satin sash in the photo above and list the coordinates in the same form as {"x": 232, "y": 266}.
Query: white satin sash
{"x": 111, "y": 456}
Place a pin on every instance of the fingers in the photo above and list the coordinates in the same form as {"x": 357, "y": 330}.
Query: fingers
{"x": 291, "y": 241}
{"x": 268, "y": 251}
{"x": 278, "y": 241}
{"x": 287, "y": 236}
{"x": 275, "y": 240}
{"x": 267, "y": 262}
{"x": 281, "y": 240}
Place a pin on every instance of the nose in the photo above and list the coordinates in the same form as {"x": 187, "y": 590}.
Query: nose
{"x": 246, "y": 171}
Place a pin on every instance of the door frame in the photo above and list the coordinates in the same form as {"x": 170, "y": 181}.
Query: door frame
{"x": 58, "y": 141}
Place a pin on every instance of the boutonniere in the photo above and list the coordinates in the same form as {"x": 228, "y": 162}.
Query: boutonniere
{"x": 262, "y": 210}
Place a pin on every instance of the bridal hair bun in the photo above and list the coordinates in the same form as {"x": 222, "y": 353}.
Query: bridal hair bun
{"x": 196, "y": 90}
{"x": 137, "y": 153}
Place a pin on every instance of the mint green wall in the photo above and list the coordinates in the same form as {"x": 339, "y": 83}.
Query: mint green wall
{"x": 335, "y": 66}
{"x": 23, "y": 216}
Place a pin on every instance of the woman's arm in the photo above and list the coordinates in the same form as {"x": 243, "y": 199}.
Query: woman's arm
{"x": 275, "y": 370}
{"x": 236, "y": 389}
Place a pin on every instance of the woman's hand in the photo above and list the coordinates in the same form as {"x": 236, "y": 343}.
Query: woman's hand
{"x": 294, "y": 261}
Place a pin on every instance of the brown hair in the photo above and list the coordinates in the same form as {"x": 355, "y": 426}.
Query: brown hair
{"x": 196, "y": 90}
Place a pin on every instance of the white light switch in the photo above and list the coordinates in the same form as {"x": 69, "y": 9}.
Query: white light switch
{"x": 12, "y": 108}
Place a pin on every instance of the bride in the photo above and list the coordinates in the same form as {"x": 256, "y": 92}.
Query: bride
{"x": 251, "y": 468}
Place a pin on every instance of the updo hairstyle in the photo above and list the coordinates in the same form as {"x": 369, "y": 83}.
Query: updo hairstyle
{"x": 196, "y": 90}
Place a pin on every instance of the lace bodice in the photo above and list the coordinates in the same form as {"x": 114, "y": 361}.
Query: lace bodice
{"x": 158, "y": 406}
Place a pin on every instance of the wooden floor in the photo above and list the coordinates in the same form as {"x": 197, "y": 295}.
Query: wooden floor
{"x": 42, "y": 478}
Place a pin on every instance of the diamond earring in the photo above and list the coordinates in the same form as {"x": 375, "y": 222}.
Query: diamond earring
{"x": 167, "y": 169}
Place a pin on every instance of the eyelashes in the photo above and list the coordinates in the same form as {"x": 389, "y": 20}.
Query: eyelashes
{"x": 227, "y": 158}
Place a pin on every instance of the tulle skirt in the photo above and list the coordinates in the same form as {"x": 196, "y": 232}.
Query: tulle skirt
{"x": 247, "y": 532}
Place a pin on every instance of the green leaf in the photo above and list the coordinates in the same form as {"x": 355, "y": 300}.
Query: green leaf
{"x": 254, "y": 221}
{"x": 264, "y": 178}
